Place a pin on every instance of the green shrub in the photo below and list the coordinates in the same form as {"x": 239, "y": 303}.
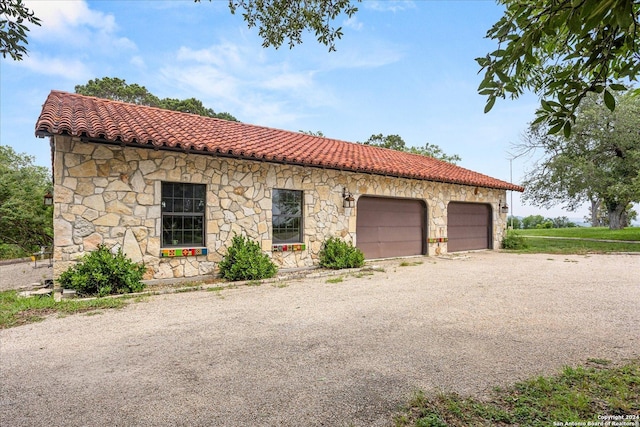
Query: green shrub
{"x": 337, "y": 254}
{"x": 245, "y": 261}
{"x": 513, "y": 240}
{"x": 9, "y": 251}
{"x": 102, "y": 272}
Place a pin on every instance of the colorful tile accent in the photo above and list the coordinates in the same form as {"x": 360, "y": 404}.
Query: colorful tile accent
{"x": 289, "y": 248}
{"x": 437, "y": 239}
{"x": 168, "y": 253}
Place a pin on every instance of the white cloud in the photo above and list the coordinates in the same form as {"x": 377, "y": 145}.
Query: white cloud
{"x": 248, "y": 83}
{"x": 58, "y": 17}
{"x": 371, "y": 55}
{"x": 77, "y": 25}
{"x": 353, "y": 23}
{"x": 138, "y": 62}
{"x": 223, "y": 55}
{"x": 72, "y": 70}
{"x": 390, "y": 5}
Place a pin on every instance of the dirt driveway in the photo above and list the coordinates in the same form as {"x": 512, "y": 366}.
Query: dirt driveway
{"x": 322, "y": 354}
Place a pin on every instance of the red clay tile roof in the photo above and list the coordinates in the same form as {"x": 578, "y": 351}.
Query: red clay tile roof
{"x": 83, "y": 116}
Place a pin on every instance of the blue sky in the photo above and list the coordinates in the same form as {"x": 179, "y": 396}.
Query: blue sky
{"x": 402, "y": 67}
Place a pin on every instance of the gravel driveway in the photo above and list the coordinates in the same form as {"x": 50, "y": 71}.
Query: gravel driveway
{"x": 322, "y": 354}
{"x": 22, "y": 275}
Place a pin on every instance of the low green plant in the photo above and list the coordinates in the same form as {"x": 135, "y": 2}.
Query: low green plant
{"x": 579, "y": 395}
{"x": 337, "y": 254}
{"x": 362, "y": 274}
{"x": 513, "y": 240}
{"x": 16, "y": 311}
{"x": 338, "y": 279}
{"x": 245, "y": 261}
{"x": 410, "y": 264}
{"x": 102, "y": 272}
{"x": 8, "y": 251}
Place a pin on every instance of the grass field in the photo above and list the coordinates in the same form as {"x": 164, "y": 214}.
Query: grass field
{"x": 632, "y": 233}
{"x": 576, "y": 396}
{"x": 564, "y": 240}
{"x": 16, "y": 311}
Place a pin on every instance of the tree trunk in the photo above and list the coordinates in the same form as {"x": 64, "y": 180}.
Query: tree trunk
{"x": 595, "y": 222}
{"x": 616, "y": 216}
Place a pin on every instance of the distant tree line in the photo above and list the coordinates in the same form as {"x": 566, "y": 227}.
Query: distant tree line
{"x": 538, "y": 221}
{"x": 118, "y": 90}
{"x": 25, "y": 223}
{"x": 395, "y": 142}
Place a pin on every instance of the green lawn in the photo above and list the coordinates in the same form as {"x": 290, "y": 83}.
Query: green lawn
{"x": 576, "y": 396}
{"x": 631, "y": 233}
{"x": 16, "y": 311}
{"x": 564, "y": 240}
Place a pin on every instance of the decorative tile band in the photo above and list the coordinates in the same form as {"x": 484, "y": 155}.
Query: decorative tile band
{"x": 164, "y": 253}
{"x": 290, "y": 248}
{"x": 437, "y": 239}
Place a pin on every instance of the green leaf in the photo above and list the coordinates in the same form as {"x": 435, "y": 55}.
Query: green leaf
{"x": 616, "y": 86}
{"x": 502, "y": 76}
{"x": 541, "y": 118}
{"x": 567, "y": 129}
{"x": 490, "y": 102}
{"x": 609, "y": 100}
{"x": 555, "y": 129}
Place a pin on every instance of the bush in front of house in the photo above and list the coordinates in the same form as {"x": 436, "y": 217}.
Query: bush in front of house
{"x": 337, "y": 254}
{"x": 246, "y": 261}
{"x": 514, "y": 241}
{"x": 103, "y": 272}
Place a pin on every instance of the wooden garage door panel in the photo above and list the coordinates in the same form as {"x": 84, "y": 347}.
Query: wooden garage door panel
{"x": 389, "y": 227}
{"x": 387, "y": 218}
{"x": 376, "y": 233}
{"x": 468, "y": 226}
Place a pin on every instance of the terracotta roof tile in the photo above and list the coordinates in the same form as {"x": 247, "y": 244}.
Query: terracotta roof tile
{"x": 136, "y": 125}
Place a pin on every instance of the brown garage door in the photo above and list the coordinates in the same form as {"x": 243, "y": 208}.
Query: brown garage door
{"x": 468, "y": 226}
{"x": 390, "y": 227}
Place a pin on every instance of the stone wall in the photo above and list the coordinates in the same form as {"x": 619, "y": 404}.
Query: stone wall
{"x": 110, "y": 194}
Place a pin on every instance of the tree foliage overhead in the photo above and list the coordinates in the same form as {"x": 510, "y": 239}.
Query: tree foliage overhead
{"x": 395, "y": 142}
{"x": 119, "y": 90}
{"x": 599, "y": 162}
{"x": 562, "y": 50}
{"x": 14, "y": 17}
{"x": 281, "y": 20}
{"x": 24, "y": 220}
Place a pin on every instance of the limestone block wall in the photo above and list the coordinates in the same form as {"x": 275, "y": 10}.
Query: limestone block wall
{"x": 111, "y": 194}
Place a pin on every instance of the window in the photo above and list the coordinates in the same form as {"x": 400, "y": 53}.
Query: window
{"x": 287, "y": 216}
{"x": 183, "y": 214}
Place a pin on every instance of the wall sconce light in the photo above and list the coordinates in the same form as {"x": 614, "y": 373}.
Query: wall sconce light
{"x": 349, "y": 201}
{"x": 48, "y": 199}
{"x": 503, "y": 208}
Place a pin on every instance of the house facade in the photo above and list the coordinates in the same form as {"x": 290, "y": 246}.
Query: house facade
{"x": 171, "y": 189}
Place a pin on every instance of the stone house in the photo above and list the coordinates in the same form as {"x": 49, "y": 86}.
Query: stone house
{"x": 172, "y": 188}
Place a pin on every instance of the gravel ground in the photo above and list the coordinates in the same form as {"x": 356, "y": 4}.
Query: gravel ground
{"x": 24, "y": 274}
{"x": 322, "y": 354}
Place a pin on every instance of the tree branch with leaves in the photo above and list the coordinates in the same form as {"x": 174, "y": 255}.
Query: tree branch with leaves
{"x": 598, "y": 163}
{"x": 286, "y": 20}
{"x": 562, "y": 51}
{"x": 14, "y": 20}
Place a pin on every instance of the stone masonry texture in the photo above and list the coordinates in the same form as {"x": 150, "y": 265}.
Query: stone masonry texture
{"x": 110, "y": 194}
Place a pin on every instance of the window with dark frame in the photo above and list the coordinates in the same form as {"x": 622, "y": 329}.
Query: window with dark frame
{"x": 287, "y": 216}
{"x": 183, "y": 206}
